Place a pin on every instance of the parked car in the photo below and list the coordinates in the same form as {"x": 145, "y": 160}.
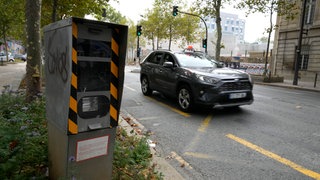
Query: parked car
{"x": 194, "y": 79}
{"x": 3, "y": 57}
{"x": 23, "y": 57}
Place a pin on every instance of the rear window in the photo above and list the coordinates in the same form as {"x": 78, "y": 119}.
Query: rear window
{"x": 195, "y": 60}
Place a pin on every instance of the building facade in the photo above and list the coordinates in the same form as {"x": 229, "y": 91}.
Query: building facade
{"x": 286, "y": 44}
{"x": 233, "y": 31}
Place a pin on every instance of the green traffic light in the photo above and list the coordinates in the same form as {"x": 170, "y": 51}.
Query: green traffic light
{"x": 175, "y": 11}
{"x": 139, "y": 30}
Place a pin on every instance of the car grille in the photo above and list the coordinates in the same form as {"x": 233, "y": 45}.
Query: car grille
{"x": 233, "y": 86}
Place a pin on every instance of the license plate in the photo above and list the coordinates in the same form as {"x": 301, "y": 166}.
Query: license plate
{"x": 237, "y": 95}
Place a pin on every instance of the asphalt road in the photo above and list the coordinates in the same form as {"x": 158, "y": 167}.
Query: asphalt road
{"x": 277, "y": 137}
{"x": 11, "y": 74}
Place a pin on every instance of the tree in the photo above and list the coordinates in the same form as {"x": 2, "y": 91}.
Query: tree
{"x": 212, "y": 9}
{"x": 53, "y": 10}
{"x": 159, "y": 23}
{"x": 281, "y": 7}
{"x": 10, "y": 23}
{"x": 109, "y": 14}
{"x": 33, "y": 75}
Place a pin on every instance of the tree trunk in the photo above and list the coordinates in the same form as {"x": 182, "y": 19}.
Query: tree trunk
{"x": 219, "y": 31}
{"x": 268, "y": 44}
{"x": 54, "y": 10}
{"x": 33, "y": 75}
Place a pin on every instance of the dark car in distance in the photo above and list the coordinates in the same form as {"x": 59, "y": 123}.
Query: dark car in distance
{"x": 194, "y": 78}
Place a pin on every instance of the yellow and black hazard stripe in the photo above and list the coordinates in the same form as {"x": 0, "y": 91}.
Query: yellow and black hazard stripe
{"x": 114, "y": 79}
{"x": 73, "y": 110}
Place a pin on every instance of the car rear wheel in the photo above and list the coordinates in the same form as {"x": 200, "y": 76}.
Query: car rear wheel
{"x": 145, "y": 86}
{"x": 185, "y": 98}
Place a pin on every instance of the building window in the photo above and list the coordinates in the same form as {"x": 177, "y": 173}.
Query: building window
{"x": 304, "y": 57}
{"x": 303, "y": 63}
{"x": 310, "y": 8}
{"x": 212, "y": 26}
{"x": 226, "y": 28}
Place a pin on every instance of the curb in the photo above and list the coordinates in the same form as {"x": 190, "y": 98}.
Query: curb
{"x": 134, "y": 128}
{"x": 288, "y": 86}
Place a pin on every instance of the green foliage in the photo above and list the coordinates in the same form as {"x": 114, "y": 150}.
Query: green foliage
{"x": 159, "y": 23}
{"x": 132, "y": 158}
{"x": 212, "y": 9}
{"x": 24, "y": 144}
{"x": 282, "y": 7}
{"x": 66, "y": 9}
{"x": 11, "y": 19}
{"x": 23, "y": 136}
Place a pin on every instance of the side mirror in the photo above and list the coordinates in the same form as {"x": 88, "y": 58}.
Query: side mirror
{"x": 168, "y": 64}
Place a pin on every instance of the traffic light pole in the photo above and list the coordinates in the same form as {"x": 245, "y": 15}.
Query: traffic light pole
{"x": 206, "y": 51}
{"x": 138, "y": 53}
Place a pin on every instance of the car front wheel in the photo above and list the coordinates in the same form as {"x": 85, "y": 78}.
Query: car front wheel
{"x": 185, "y": 98}
{"x": 145, "y": 86}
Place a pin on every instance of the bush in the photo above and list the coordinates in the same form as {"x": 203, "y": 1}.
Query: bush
{"x": 23, "y": 136}
{"x": 24, "y": 144}
{"x": 132, "y": 158}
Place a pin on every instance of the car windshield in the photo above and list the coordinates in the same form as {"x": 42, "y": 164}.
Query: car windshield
{"x": 193, "y": 60}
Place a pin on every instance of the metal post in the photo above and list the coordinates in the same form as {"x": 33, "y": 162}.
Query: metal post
{"x": 206, "y": 48}
{"x": 138, "y": 53}
{"x": 315, "y": 80}
{"x": 298, "y": 51}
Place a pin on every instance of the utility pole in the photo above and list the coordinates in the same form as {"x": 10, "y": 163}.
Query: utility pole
{"x": 298, "y": 51}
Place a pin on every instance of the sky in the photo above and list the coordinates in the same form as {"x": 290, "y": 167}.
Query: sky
{"x": 255, "y": 23}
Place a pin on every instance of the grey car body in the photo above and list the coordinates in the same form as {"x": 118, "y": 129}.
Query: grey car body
{"x": 194, "y": 79}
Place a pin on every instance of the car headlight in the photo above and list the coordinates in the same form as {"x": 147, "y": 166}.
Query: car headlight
{"x": 208, "y": 79}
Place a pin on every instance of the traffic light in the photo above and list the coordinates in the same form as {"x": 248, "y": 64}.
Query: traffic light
{"x": 204, "y": 43}
{"x": 175, "y": 11}
{"x": 139, "y": 30}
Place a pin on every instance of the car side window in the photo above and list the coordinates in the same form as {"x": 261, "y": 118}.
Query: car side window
{"x": 168, "y": 58}
{"x": 155, "y": 58}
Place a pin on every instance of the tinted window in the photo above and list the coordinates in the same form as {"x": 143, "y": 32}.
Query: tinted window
{"x": 155, "y": 58}
{"x": 93, "y": 76}
{"x": 168, "y": 58}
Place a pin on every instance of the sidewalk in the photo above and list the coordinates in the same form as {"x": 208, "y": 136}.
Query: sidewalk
{"x": 309, "y": 86}
{"x": 133, "y": 127}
